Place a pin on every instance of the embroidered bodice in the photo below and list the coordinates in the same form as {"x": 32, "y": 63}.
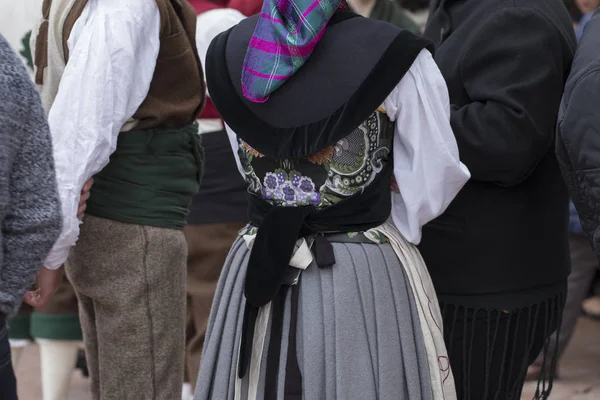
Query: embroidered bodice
{"x": 323, "y": 179}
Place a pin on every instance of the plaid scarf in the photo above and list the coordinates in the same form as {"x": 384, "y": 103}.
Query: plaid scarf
{"x": 285, "y": 36}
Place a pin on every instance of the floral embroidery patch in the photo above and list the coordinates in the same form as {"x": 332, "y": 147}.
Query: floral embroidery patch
{"x": 290, "y": 189}
{"x": 333, "y": 174}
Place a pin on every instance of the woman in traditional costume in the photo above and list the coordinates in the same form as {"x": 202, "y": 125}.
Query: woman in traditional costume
{"x": 321, "y": 297}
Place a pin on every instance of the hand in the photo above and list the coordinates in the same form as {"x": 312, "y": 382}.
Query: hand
{"x": 85, "y": 195}
{"x": 394, "y": 185}
{"x": 48, "y": 282}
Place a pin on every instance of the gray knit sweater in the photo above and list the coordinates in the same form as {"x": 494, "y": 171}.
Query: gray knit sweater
{"x": 29, "y": 204}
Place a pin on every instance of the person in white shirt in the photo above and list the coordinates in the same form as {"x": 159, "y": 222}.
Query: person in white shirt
{"x": 324, "y": 294}
{"x": 122, "y": 85}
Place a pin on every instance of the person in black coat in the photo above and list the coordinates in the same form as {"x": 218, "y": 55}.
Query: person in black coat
{"x": 578, "y": 133}
{"x": 499, "y": 255}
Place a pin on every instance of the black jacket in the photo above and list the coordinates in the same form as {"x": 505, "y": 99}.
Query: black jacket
{"x": 505, "y": 63}
{"x": 578, "y": 138}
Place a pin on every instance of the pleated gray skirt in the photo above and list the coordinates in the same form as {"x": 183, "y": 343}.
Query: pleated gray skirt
{"x": 358, "y": 335}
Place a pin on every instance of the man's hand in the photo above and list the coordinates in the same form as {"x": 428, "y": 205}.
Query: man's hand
{"x": 85, "y": 195}
{"x": 48, "y": 282}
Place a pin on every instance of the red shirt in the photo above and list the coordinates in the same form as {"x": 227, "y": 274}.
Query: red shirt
{"x": 246, "y": 7}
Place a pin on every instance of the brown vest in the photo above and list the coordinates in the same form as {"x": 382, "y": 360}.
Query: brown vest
{"x": 177, "y": 91}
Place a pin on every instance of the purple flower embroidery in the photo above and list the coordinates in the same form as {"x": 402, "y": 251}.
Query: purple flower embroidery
{"x": 271, "y": 181}
{"x": 306, "y": 185}
{"x": 314, "y": 199}
{"x": 267, "y": 194}
{"x": 301, "y": 198}
{"x": 291, "y": 188}
{"x": 289, "y": 194}
{"x": 281, "y": 177}
{"x": 295, "y": 179}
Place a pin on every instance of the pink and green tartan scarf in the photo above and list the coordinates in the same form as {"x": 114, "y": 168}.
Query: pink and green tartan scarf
{"x": 285, "y": 36}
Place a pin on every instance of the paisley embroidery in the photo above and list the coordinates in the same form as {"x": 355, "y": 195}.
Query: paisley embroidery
{"x": 334, "y": 174}
{"x": 323, "y": 157}
{"x": 250, "y": 150}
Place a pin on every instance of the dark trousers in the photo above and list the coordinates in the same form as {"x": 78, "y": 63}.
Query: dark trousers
{"x": 8, "y": 382}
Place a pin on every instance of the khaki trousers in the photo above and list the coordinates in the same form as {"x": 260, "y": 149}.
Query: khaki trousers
{"x": 208, "y": 246}
{"x": 130, "y": 283}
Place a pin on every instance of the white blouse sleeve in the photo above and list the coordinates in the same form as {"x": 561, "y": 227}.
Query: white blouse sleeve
{"x": 427, "y": 167}
{"x": 233, "y": 141}
{"x": 113, "y": 52}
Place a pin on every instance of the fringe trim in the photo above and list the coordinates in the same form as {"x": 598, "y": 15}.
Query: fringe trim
{"x": 513, "y": 340}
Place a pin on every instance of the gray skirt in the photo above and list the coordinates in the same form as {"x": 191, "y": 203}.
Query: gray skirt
{"x": 357, "y": 331}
